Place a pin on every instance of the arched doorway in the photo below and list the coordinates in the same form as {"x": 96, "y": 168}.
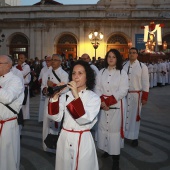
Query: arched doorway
{"x": 18, "y": 45}
{"x": 67, "y": 46}
{"x": 118, "y": 42}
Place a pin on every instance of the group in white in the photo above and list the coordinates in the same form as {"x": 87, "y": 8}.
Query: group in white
{"x": 111, "y": 98}
{"x": 122, "y": 90}
{"x": 159, "y": 72}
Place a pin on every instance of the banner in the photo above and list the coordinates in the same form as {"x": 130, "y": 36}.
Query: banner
{"x": 139, "y": 43}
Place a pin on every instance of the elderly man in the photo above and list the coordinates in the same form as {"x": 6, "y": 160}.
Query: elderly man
{"x": 51, "y": 79}
{"x": 11, "y": 98}
{"x": 137, "y": 94}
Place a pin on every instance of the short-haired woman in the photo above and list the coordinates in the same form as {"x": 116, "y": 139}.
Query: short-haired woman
{"x": 79, "y": 106}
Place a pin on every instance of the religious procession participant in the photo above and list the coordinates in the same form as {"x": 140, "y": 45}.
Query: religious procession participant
{"x": 19, "y": 74}
{"x": 112, "y": 87}
{"x": 44, "y": 70}
{"x": 164, "y": 72}
{"x": 79, "y": 107}
{"x": 137, "y": 94}
{"x": 167, "y": 72}
{"x": 85, "y": 57}
{"x": 150, "y": 71}
{"x": 11, "y": 98}
{"x": 155, "y": 67}
{"x": 25, "y": 70}
{"x": 51, "y": 79}
{"x": 159, "y": 73}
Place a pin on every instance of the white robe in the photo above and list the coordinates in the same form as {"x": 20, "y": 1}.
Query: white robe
{"x": 67, "y": 145}
{"x": 44, "y": 70}
{"x": 159, "y": 73}
{"x": 111, "y": 83}
{"x": 155, "y": 75}
{"x": 164, "y": 69}
{"x": 12, "y": 94}
{"x": 150, "y": 71}
{"x": 48, "y": 124}
{"x": 26, "y": 108}
{"x": 138, "y": 81}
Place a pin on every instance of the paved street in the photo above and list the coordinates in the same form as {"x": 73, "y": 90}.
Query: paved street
{"x": 153, "y": 152}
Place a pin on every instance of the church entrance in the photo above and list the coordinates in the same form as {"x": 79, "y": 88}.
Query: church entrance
{"x": 120, "y": 43}
{"x": 67, "y": 46}
{"x": 18, "y": 45}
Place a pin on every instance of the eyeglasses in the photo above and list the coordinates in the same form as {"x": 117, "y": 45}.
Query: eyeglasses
{"x": 55, "y": 60}
{"x": 4, "y": 63}
{"x": 132, "y": 52}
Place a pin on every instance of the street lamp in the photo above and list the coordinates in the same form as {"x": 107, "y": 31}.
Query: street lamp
{"x": 94, "y": 38}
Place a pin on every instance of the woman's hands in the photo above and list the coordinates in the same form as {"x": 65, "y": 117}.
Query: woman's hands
{"x": 72, "y": 85}
{"x": 57, "y": 94}
{"x": 104, "y": 106}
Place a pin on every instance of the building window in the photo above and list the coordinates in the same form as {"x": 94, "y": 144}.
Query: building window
{"x": 117, "y": 39}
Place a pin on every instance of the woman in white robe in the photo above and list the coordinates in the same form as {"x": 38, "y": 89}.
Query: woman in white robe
{"x": 112, "y": 87}
{"x": 79, "y": 106}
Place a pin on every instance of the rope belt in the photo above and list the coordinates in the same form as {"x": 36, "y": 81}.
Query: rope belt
{"x": 80, "y": 132}
{"x": 2, "y": 122}
{"x": 139, "y": 93}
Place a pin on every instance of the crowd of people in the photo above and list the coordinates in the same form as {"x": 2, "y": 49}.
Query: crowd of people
{"x": 105, "y": 96}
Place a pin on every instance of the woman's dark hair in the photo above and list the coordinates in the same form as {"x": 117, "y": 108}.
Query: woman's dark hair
{"x": 118, "y": 57}
{"x": 89, "y": 73}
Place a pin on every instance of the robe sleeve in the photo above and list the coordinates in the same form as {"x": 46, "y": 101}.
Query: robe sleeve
{"x": 53, "y": 107}
{"x": 145, "y": 79}
{"x": 91, "y": 104}
{"x": 76, "y": 108}
{"x": 111, "y": 100}
{"x": 145, "y": 95}
{"x": 56, "y": 108}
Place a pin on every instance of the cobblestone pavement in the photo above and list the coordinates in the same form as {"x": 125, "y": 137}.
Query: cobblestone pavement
{"x": 153, "y": 152}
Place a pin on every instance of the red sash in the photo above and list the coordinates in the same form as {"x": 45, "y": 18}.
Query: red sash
{"x": 80, "y": 132}
{"x": 3, "y": 121}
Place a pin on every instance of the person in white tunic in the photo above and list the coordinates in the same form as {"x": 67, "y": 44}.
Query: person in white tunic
{"x": 79, "y": 106}
{"x": 167, "y": 72}
{"x": 150, "y": 71}
{"x": 44, "y": 70}
{"x": 25, "y": 69}
{"x": 51, "y": 79}
{"x": 18, "y": 73}
{"x": 137, "y": 94}
{"x": 112, "y": 87}
{"x": 11, "y": 94}
{"x": 159, "y": 73}
{"x": 155, "y": 67}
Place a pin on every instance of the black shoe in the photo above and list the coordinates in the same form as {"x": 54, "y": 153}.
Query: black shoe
{"x": 115, "y": 159}
{"x": 134, "y": 143}
{"x": 105, "y": 155}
